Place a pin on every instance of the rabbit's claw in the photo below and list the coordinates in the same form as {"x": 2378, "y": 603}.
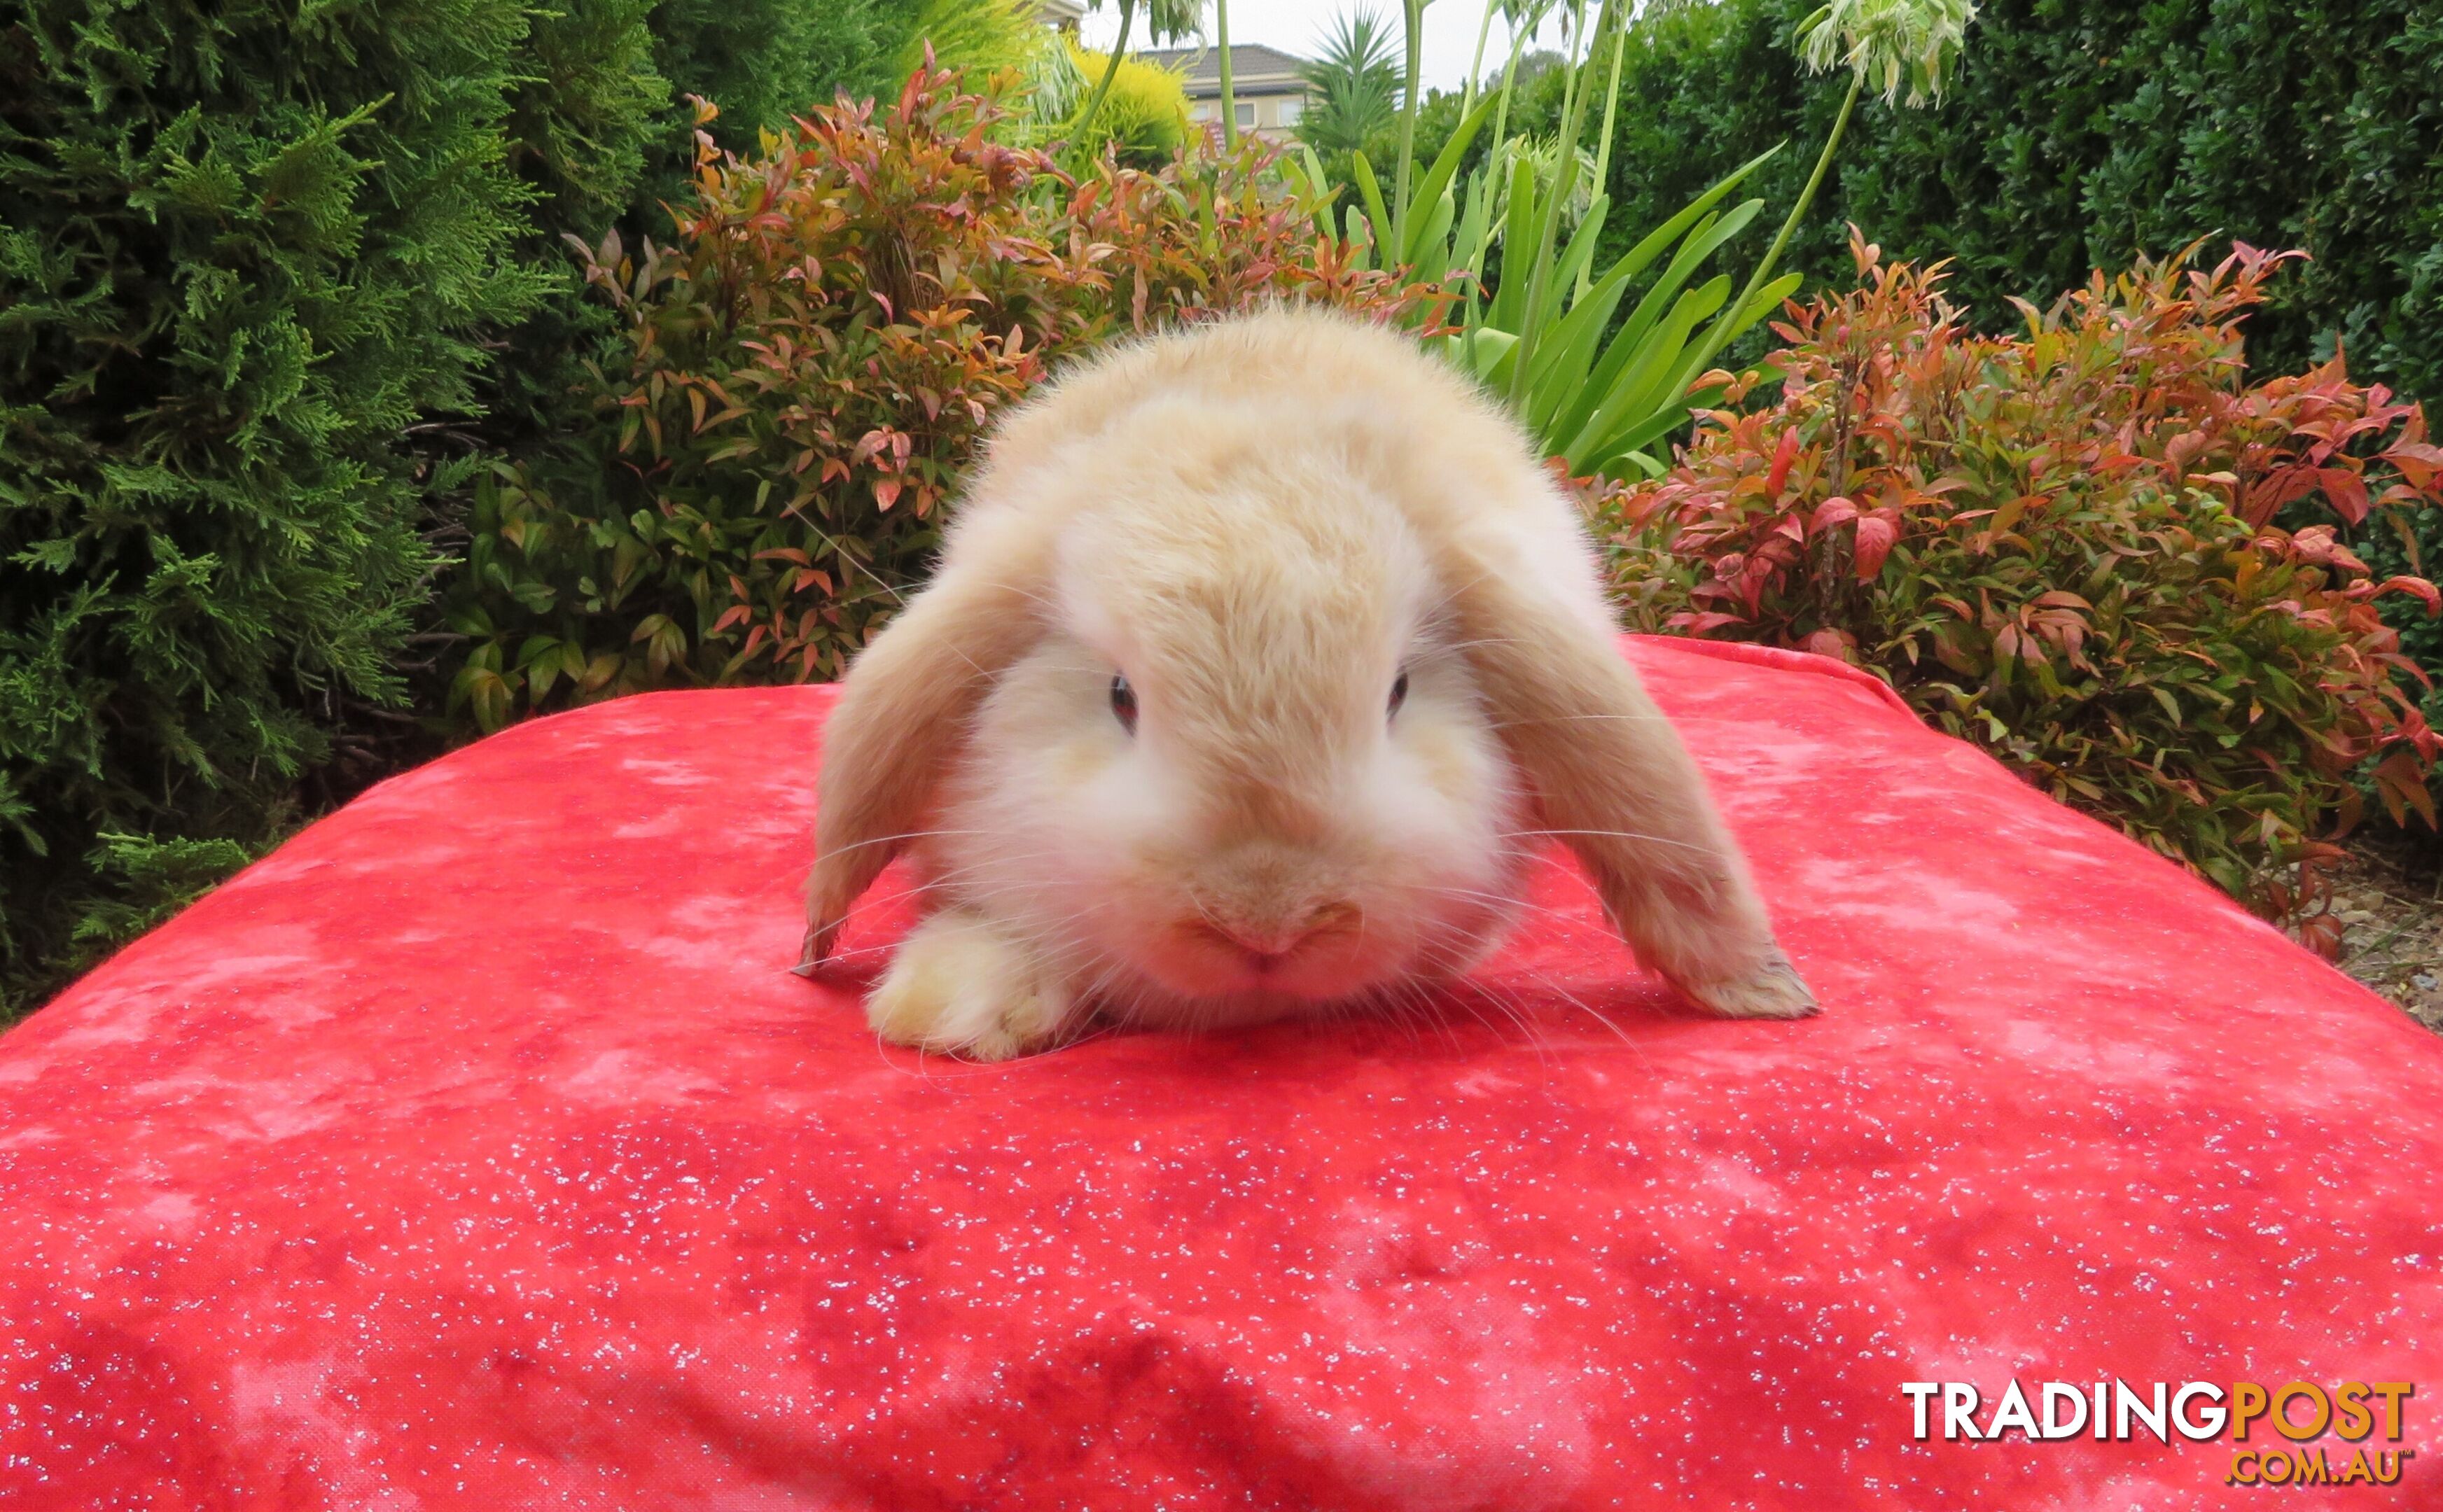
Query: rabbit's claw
{"x": 1772, "y": 990}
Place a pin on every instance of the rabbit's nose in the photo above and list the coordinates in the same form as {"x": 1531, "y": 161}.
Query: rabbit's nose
{"x": 1273, "y": 938}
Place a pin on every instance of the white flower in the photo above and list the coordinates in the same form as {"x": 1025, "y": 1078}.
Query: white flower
{"x": 1888, "y": 42}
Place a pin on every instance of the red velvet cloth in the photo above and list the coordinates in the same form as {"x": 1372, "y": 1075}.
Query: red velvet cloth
{"x": 477, "y": 1149}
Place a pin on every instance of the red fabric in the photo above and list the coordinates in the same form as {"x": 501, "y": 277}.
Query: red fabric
{"x": 477, "y": 1149}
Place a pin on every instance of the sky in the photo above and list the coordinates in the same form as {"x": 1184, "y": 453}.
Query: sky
{"x": 1298, "y": 26}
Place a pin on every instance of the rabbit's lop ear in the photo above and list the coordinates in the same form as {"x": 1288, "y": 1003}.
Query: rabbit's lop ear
{"x": 903, "y": 714}
{"x": 1614, "y": 782}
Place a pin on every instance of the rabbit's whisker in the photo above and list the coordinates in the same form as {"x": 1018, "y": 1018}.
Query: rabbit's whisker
{"x": 1613, "y": 834}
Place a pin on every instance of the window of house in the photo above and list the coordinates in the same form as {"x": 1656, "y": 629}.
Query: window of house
{"x": 1246, "y": 115}
{"x": 1291, "y": 111}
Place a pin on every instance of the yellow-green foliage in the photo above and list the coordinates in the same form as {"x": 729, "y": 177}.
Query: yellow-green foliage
{"x": 985, "y": 39}
{"x": 977, "y": 37}
{"x": 1144, "y": 115}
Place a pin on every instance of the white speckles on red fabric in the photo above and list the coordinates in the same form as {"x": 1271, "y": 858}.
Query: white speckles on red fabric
{"x": 478, "y": 1151}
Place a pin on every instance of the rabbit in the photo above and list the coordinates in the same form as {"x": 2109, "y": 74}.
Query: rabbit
{"x": 1262, "y": 659}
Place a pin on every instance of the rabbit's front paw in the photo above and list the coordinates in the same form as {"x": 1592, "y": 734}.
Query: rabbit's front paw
{"x": 1772, "y": 990}
{"x": 960, "y": 987}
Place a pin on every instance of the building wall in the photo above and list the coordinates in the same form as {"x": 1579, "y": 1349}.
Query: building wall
{"x": 1270, "y": 113}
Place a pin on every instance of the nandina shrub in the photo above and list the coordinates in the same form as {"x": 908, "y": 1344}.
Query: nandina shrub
{"x": 2064, "y": 546}
{"x": 810, "y": 365}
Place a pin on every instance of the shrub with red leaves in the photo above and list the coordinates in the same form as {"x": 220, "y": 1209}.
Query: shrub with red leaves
{"x": 2065, "y": 545}
{"x": 810, "y": 366}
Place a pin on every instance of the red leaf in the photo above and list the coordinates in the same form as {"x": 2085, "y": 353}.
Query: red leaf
{"x": 1783, "y": 456}
{"x": 2401, "y": 779}
{"x": 1698, "y": 623}
{"x": 2346, "y": 490}
{"x": 2419, "y": 586}
{"x": 1875, "y": 539}
{"x": 1833, "y": 511}
{"x": 1839, "y": 645}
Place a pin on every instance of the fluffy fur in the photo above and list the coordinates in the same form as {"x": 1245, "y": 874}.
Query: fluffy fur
{"x": 1262, "y": 525}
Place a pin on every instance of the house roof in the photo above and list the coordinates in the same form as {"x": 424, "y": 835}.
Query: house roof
{"x": 1254, "y": 69}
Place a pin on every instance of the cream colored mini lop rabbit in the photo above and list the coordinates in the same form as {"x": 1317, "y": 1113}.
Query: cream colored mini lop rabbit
{"x": 1260, "y": 659}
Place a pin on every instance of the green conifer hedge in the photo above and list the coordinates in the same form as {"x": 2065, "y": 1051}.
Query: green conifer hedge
{"x": 2080, "y": 134}
{"x": 258, "y": 265}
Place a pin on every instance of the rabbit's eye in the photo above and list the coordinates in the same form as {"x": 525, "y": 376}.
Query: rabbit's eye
{"x": 1399, "y": 693}
{"x": 1124, "y": 702}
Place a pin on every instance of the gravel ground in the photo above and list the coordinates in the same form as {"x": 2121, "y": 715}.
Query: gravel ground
{"x": 2389, "y": 898}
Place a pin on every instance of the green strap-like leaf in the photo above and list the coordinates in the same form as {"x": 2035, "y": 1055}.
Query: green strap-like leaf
{"x": 1670, "y": 416}
{"x": 1380, "y": 219}
{"x": 1671, "y": 413}
{"x": 1618, "y": 365}
{"x": 1561, "y": 382}
{"x": 1429, "y": 252}
{"x": 1320, "y": 186}
{"x": 1518, "y": 247}
{"x": 1649, "y": 372}
{"x": 1581, "y": 247}
{"x": 1669, "y": 232}
{"x": 1438, "y": 179}
{"x": 1703, "y": 239}
{"x": 1478, "y": 350}
{"x": 1474, "y": 224}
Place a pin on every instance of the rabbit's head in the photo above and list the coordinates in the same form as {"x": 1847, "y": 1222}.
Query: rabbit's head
{"x": 1243, "y": 758}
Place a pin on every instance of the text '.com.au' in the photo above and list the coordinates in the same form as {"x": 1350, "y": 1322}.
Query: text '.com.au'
{"x": 2364, "y": 1418}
